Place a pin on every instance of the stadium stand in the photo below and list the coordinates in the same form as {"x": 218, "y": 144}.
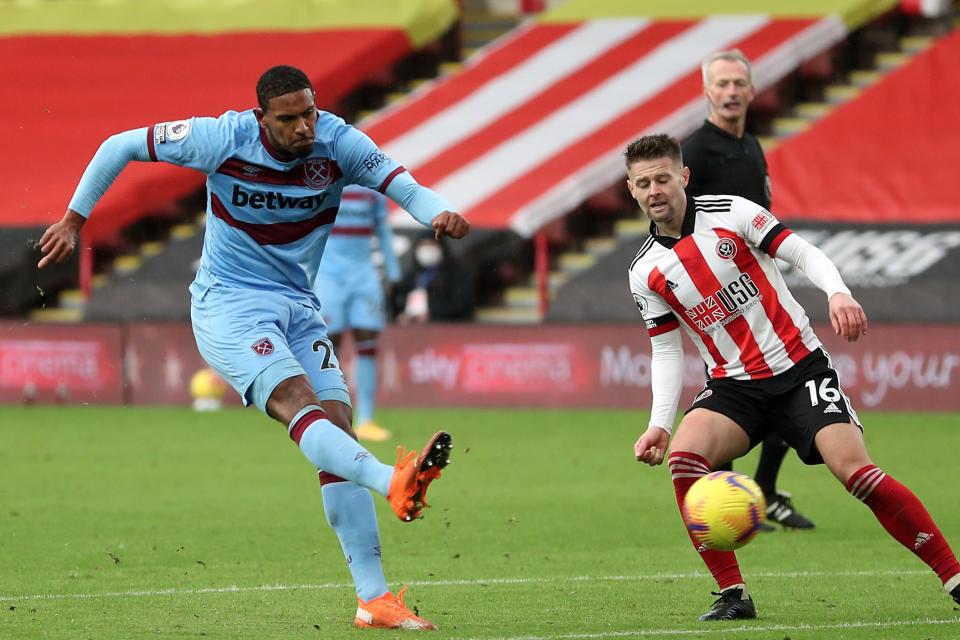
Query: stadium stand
{"x": 851, "y": 182}
{"x": 533, "y": 122}
{"x": 531, "y": 128}
{"x": 84, "y": 70}
{"x": 863, "y": 164}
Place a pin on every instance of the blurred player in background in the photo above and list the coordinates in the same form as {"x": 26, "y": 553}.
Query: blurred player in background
{"x": 274, "y": 180}
{"x": 708, "y": 266}
{"x": 724, "y": 159}
{"x": 351, "y": 296}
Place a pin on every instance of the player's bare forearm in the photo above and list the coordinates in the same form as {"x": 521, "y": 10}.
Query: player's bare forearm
{"x": 450, "y": 223}
{"x": 59, "y": 240}
{"x": 847, "y": 317}
{"x": 652, "y": 446}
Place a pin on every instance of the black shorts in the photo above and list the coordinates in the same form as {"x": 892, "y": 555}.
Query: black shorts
{"x": 795, "y": 404}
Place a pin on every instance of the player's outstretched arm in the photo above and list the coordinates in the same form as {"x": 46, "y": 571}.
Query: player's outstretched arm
{"x": 60, "y": 239}
{"x": 427, "y": 207}
{"x": 847, "y": 317}
{"x": 652, "y": 446}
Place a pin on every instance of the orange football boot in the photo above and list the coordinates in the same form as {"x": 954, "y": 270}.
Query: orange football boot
{"x": 412, "y": 474}
{"x": 389, "y": 612}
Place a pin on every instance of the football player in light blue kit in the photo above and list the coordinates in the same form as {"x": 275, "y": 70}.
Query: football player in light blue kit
{"x": 274, "y": 180}
{"x": 351, "y": 296}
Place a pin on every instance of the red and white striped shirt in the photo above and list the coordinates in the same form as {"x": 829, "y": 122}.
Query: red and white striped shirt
{"x": 719, "y": 281}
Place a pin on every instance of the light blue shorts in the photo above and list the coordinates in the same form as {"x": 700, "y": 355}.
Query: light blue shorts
{"x": 258, "y": 339}
{"x": 350, "y": 302}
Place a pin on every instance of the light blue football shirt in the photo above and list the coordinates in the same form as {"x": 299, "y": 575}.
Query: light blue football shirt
{"x": 268, "y": 215}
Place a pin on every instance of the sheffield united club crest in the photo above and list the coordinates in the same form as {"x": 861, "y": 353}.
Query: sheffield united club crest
{"x": 727, "y": 249}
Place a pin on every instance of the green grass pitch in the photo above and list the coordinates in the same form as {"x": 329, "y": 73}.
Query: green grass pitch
{"x": 153, "y": 523}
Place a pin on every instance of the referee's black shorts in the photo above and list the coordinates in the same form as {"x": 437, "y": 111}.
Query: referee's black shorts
{"x": 795, "y": 404}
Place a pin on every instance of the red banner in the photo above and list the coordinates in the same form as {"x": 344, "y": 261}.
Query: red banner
{"x": 899, "y": 367}
{"x": 161, "y": 359}
{"x": 60, "y": 364}
{"x": 895, "y": 367}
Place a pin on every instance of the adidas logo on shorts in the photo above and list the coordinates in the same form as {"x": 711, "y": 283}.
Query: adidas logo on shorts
{"x": 832, "y": 408}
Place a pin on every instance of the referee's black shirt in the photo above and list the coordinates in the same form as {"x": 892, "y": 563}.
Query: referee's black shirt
{"x": 722, "y": 164}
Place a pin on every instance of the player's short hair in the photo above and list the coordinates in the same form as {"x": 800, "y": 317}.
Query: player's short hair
{"x": 732, "y": 55}
{"x": 659, "y": 145}
{"x": 279, "y": 81}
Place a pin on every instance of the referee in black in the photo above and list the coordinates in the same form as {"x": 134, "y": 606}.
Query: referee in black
{"x": 725, "y": 159}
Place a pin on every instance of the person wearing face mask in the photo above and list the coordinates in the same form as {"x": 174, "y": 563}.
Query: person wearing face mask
{"x": 441, "y": 290}
{"x": 725, "y": 159}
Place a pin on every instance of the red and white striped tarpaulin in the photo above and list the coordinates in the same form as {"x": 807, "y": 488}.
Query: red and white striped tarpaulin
{"x": 537, "y": 121}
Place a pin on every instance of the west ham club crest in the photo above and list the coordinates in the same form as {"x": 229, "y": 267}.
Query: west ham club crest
{"x": 320, "y": 173}
{"x": 262, "y": 347}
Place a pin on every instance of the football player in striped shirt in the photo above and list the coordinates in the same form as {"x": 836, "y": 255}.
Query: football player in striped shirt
{"x": 708, "y": 269}
{"x": 725, "y": 158}
{"x": 275, "y": 175}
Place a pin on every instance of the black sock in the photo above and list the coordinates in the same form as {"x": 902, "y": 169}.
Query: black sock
{"x": 772, "y": 452}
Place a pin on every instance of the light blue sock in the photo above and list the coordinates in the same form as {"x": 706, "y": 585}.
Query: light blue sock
{"x": 366, "y": 383}
{"x": 350, "y": 512}
{"x": 331, "y": 449}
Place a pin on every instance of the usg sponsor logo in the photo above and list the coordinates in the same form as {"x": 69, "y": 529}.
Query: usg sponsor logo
{"x": 725, "y": 304}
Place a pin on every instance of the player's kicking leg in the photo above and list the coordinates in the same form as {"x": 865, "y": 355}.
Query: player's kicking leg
{"x": 896, "y": 507}
{"x": 331, "y": 447}
{"x": 349, "y": 470}
{"x": 704, "y": 436}
{"x": 268, "y": 369}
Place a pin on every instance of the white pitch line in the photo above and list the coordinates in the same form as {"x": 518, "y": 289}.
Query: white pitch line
{"x": 445, "y": 583}
{"x": 716, "y": 630}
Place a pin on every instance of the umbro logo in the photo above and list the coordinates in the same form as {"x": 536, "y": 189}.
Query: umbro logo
{"x": 832, "y": 408}
{"x": 360, "y": 456}
{"x": 922, "y": 539}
